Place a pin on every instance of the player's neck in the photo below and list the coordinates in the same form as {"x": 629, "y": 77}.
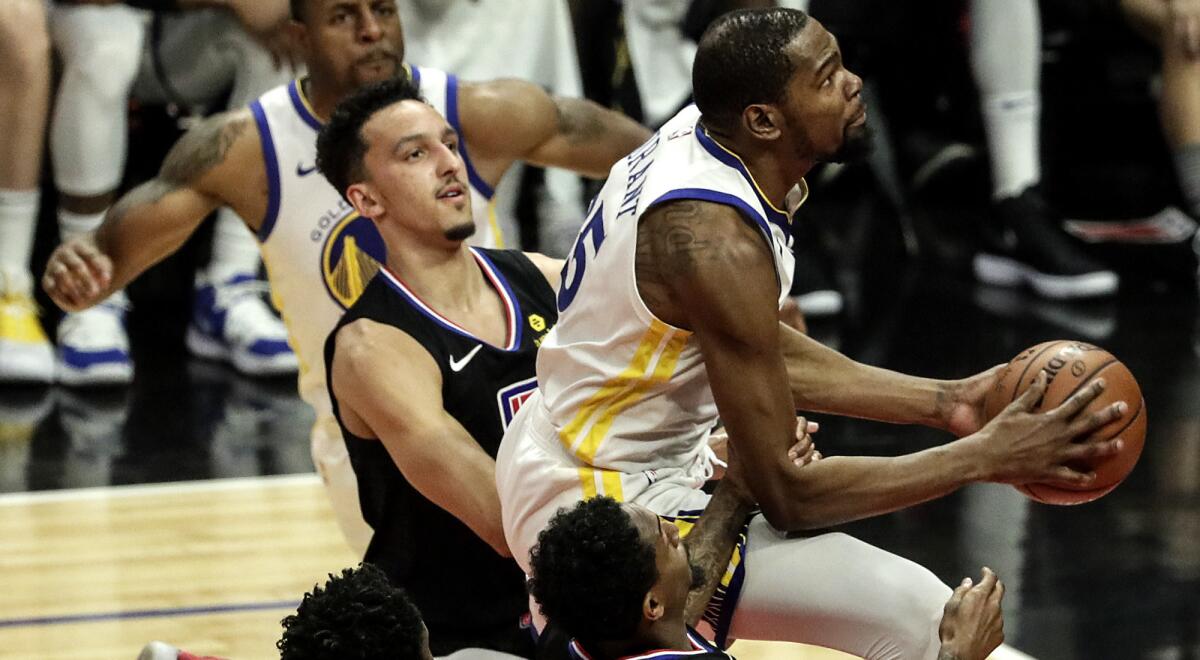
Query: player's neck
{"x": 660, "y": 636}
{"x": 445, "y": 276}
{"x": 774, "y": 171}
{"x": 322, "y": 96}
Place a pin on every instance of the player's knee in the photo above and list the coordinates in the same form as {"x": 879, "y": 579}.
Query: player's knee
{"x": 910, "y": 600}
{"x": 107, "y": 66}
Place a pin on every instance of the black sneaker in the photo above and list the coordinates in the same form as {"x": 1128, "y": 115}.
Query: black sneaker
{"x": 1025, "y": 246}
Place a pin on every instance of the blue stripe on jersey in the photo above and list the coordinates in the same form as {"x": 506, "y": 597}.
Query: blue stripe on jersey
{"x": 705, "y": 195}
{"x": 414, "y": 75}
{"x": 515, "y": 342}
{"x": 272, "y": 165}
{"x": 301, "y": 108}
{"x": 452, "y": 117}
{"x": 733, "y": 161}
{"x": 397, "y": 285}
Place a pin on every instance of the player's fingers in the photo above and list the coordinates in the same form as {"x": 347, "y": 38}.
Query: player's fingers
{"x": 1086, "y": 451}
{"x": 806, "y": 457}
{"x": 1094, "y": 420}
{"x": 817, "y": 456}
{"x": 997, "y": 596}
{"x": 1068, "y": 475}
{"x": 1031, "y": 396}
{"x": 100, "y": 264}
{"x": 960, "y": 591}
{"x": 1079, "y": 400}
{"x": 988, "y": 581}
{"x": 61, "y": 278}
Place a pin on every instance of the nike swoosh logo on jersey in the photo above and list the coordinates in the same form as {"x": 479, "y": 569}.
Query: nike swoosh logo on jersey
{"x": 301, "y": 170}
{"x": 457, "y": 365}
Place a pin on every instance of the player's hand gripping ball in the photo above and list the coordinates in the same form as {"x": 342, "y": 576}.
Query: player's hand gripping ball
{"x": 1070, "y": 366}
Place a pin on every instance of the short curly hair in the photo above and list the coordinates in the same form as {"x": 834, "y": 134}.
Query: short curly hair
{"x": 742, "y": 59}
{"x": 591, "y": 570}
{"x": 340, "y": 146}
{"x": 359, "y": 615}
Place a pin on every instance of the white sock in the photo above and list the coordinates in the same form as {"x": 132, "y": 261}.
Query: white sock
{"x": 18, "y": 223}
{"x": 71, "y": 224}
{"x": 234, "y": 248}
{"x": 1006, "y": 59}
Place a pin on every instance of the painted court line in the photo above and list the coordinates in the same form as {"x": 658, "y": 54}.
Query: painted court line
{"x": 148, "y": 614}
{"x": 204, "y": 486}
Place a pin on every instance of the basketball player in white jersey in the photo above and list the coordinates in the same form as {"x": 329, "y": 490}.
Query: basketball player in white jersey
{"x": 319, "y": 254}
{"x": 669, "y": 315}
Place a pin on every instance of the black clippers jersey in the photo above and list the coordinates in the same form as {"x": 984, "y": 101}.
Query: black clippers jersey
{"x": 467, "y": 594}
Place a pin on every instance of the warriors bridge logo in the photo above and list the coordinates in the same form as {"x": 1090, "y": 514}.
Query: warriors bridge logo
{"x": 354, "y": 252}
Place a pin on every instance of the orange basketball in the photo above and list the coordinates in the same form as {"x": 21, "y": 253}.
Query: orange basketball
{"x": 1071, "y": 365}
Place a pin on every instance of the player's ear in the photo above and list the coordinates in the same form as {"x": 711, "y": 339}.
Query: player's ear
{"x": 364, "y": 200}
{"x": 297, "y": 33}
{"x": 762, "y": 121}
{"x": 652, "y": 606}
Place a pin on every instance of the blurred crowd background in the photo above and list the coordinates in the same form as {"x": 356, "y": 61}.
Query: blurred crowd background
{"x": 1063, "y": 135}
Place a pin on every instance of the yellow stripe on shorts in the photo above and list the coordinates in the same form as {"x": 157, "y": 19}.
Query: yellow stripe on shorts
{"x": 617, "y": 395}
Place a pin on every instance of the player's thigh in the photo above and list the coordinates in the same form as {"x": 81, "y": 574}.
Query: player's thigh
{"x": 836, "y": 591}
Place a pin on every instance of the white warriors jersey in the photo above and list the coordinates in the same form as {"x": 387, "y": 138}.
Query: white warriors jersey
{"x": 623, "y": 391}
{"x": 319, "y": 253}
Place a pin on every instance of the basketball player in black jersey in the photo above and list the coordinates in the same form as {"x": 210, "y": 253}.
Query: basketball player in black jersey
{"x": 427, "y": 367}
{"x": 619, "y": 580}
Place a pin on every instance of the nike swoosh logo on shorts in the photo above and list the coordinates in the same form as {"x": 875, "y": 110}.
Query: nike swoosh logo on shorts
{"x": 457, "y": 365}
{"x": 304, "y": 171}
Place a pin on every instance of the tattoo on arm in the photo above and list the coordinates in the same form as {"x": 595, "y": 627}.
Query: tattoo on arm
{"x": 578, "y": 120}
{"x": 202, "y": 148}
{"x": 710, "y": 545}
{"x": 195, "y": 154}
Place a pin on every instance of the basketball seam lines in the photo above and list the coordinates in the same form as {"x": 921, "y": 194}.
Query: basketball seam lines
{"x": 1032, "y": 359}
{"x": 1084, "y": 380}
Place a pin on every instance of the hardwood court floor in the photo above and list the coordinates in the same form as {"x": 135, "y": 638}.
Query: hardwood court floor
{"x": 210, "y": 566}
{"x": 1117, "y": 579}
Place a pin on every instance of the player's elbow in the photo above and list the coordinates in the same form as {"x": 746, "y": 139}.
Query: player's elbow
{"x": 797, "y": 507}
{"x": 787, "y": 516}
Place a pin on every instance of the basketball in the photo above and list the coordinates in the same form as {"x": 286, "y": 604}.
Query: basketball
{"x": 1071, "y": 365}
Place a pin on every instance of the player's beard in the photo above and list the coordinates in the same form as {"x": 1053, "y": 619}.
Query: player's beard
{"x": 857, "y": 143}
{"x": 697, "y": 576}
{"x": 460, "y": 232}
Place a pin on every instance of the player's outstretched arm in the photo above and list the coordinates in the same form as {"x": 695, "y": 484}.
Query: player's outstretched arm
{"x": 433, "y": 451}
{"x": 508, "y": 120}
{"x": 154, "y": 219}
{"x": 708, "y": 256}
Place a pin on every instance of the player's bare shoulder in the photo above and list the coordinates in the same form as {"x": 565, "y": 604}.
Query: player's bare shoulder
{"x": 695, "y": 246}
{"x": 679, "y": 237}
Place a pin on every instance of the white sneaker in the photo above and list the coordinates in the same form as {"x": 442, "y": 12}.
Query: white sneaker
{"x": 26, "y": 355}
{"x": 232, "y": 323}
{"x": 93, "y": 348}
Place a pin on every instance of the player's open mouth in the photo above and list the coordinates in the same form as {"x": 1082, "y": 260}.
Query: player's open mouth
{"x": 861, "y": 118}
{"x": 453, "y": 193}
